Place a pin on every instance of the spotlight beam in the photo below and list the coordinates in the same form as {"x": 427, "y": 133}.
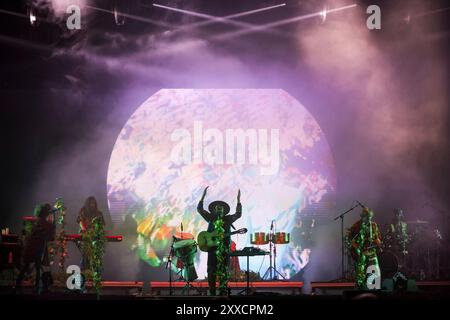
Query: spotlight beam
{"x": 133, "y": 17}
{"x": 216, "y": 19}
{"x": 254, "y": 28}
{"x": 231, "y": 16}
{"x": 229, "y": 35}
{"x": 25, "y": 43}
{"x": 12, "y": 13}
{"x": 427, "y": 13}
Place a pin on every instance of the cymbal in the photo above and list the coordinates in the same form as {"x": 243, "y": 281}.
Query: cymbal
{"x": 417, "y": 222}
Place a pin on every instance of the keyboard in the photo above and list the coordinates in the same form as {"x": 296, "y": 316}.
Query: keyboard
{"x": 249, "y": 251}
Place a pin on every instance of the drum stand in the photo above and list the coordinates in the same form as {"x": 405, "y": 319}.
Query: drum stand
{"x": 272, "y": 270}
{"x": 169, "y": 266}
{"x": 187, "y": 285}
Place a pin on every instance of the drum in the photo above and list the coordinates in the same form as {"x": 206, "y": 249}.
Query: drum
{"x": 389, "y": 264}
{"x": 281, "y": 238}
{"x": 183, "y": 236}
{"x": 259, "y": 238}
{"x": 185, "y": 251}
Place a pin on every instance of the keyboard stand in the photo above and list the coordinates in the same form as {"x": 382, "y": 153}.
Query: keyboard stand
{"x": 247, "y": 288}
{"x": 248, "y": 254}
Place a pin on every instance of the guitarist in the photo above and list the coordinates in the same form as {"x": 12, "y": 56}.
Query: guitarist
{"x": 218, "y": 210}
{"x": 366, "y": 238}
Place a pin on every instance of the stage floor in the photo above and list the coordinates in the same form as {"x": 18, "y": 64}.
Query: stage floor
{"x": 199, "y": 289}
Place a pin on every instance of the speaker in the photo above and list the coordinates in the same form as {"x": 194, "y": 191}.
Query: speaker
{"x": 412, "y": 286}
{"x": 399, "y": 283}
{"x": 387, "y": 285}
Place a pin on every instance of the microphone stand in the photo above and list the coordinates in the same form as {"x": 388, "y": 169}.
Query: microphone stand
{"x": 169, "y": 265}
{"x": 271, "y": 234}
{"x": 272, "y": 270}
{"x": 269, "y": 270}
{"x": 341, "y": 216}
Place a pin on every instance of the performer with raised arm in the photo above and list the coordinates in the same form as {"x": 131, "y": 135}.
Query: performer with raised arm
{"x": 218, "y": 218}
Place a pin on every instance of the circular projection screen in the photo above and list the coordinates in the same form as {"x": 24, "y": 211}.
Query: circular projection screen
{"x": 261, "y": 141}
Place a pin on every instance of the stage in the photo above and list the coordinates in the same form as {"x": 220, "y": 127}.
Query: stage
{"x": 295, "y": 152}
{"x": 199, "y": 289}
{"x": 179, "y": 288}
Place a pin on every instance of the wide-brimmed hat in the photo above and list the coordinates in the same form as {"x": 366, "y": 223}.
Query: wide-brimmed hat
{"x": 213, "y": 204}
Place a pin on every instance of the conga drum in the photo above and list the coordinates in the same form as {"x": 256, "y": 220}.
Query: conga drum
{"x": 259, "y": 238}
{"x": 185, "y": 251}
{"x": 281, "y": 238}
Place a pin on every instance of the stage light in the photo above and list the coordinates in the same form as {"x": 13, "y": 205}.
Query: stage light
{"x": 120, "y": 9}
{"x": 323, "y": 14}
{"x": 119, "y": 19}
{"x": 407, "y": 19}
{"x": 132, "y": 17}
{"x": 32, "y": 17}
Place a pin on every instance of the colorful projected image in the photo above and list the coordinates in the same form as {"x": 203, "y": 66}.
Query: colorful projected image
{"x": 261, "y": 141}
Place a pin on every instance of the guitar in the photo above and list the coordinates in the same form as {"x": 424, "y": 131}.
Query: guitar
{"x": 208, "y": 240}
{"x": 356, "y": 252}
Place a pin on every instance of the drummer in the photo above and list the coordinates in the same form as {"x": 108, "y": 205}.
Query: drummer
{"x": 398, "y": 231}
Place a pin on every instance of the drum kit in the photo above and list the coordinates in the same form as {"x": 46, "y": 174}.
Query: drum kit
{"x": 272, "y": 238}
{"x": 417, "y": 255}
{"x": 184, "y": 249}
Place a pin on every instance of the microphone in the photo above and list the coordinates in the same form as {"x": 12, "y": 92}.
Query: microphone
{"x": 361, "y": 205}
{"x": 182, "y": 227}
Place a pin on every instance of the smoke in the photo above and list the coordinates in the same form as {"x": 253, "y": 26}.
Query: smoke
{"x": 390, "y": 120}
{"x": 394, "y": 114}
{"x": 58, "y": 7}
